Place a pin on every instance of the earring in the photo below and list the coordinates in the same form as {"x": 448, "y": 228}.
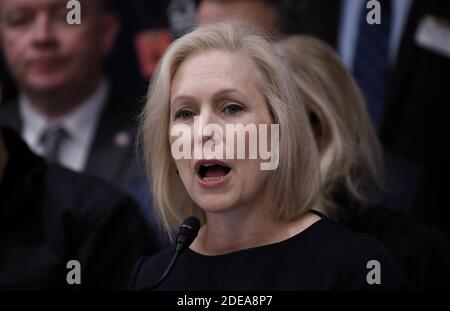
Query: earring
{"x": 178, "y": 173}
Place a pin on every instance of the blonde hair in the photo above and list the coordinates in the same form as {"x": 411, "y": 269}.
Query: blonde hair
{"x": 296, "y": 182}
{"x": 351, "y": 159}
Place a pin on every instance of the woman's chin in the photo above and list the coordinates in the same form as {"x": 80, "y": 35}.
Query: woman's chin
{"x": 215, "y": 205}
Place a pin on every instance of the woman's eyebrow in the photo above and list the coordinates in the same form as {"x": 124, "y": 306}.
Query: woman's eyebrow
{"x": 228, "y": 92}
{"x": 219, "y": 94}
{"x": 181, "y": 97}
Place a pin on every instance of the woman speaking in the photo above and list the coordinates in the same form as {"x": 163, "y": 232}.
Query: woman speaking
{"x": 260, "y": 230}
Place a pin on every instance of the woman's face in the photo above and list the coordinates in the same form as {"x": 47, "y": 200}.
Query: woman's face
{"x": 219, "y": 88}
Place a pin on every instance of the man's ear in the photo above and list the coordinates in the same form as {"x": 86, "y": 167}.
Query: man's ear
{"x": 110, "y": 23}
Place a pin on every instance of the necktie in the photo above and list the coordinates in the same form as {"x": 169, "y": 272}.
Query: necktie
{"x": 371, "y": 60}
{"x": 51, "y": 141}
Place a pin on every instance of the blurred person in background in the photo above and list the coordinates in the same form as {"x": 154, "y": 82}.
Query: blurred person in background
{"x": 352, "y": 164}
{"x": 50, "y": 216}
{"x": 403, "y": 68}
{"x": 264, "y": 14}
{"x": 67, "y": 109}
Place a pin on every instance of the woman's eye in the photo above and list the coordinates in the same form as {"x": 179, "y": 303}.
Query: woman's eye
{"x": 233, "y": 109}
{"x": 184, "y": 114}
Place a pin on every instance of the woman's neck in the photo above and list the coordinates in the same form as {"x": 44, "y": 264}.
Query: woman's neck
{"x": 237, "y": 230}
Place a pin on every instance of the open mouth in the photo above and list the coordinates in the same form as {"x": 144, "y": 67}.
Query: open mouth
{"x": 212, "y": 173}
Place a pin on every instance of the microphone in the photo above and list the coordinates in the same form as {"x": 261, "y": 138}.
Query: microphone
{"x": 186, "y": 235}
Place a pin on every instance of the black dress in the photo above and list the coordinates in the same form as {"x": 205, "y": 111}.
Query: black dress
{"x": 325, "y": 256}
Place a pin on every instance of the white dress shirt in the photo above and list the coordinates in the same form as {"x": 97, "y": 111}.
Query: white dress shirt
{"x": 349, "y": 25}
{"x": 80, "y": 125}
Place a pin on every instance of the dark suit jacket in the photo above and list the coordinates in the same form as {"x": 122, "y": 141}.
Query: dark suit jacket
{"x": 108, "y": 159}
{"x": 50, "y": 215}
{"x": 417, "y": 105}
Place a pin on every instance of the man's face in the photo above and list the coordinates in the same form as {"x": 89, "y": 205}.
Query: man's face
{"x": 256, "y": 13}
{"x": 44, "y": 52}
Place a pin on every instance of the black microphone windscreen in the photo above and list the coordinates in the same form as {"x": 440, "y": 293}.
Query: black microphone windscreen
{"x": 188, "y": 232}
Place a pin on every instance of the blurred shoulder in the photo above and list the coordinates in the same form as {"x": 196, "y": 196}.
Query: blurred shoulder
{"x": 355, "y": 257}
{"x": 86, "y": 197}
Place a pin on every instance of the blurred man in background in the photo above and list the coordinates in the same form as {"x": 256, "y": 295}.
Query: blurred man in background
{"x": 262, "y": 14}
{"x": 67, "y": 109}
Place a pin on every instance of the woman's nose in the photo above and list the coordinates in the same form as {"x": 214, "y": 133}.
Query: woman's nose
{"x": 207, "y": 126}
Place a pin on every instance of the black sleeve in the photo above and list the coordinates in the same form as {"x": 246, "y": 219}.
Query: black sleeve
{"x": 367, "y": 265}
{"x": 113, "y": 245}
{"x": 132, "y": 280}
{"x": 149, "y": 270}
